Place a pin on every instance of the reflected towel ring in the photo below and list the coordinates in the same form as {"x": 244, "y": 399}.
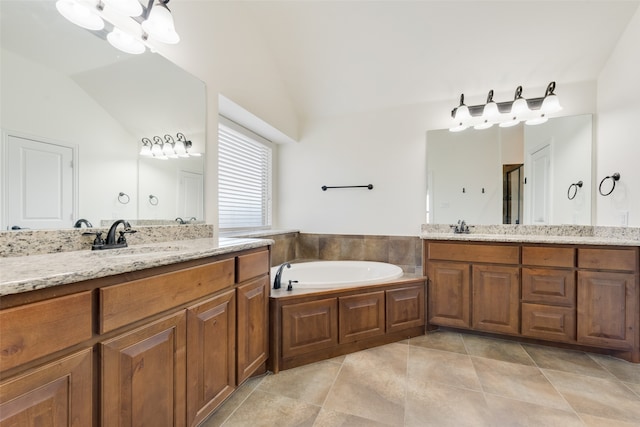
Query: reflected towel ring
{"x": 575, "y": 187}
{"x": 153, "y": 200}
{"x": 123, "y": 198}
{"x": 615, "y": 177}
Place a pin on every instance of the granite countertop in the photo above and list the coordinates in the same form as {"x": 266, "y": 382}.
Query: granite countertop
{"x": 27, "y": 273}
{"x": 529, "y": 238}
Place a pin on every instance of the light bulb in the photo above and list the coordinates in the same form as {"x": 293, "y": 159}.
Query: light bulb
{"x": 159, "y": 25}
{"x": 80, "y": 14}
{"x": 520, "y": 107}
{"x": 551, "y": 104}
{"x": 125, "y": 42}
{"x": 146, "y": 151}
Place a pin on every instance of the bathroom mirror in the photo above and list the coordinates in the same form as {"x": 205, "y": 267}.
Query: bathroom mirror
{"x": 518, "y": 175}
{"x": 62, "y": 85}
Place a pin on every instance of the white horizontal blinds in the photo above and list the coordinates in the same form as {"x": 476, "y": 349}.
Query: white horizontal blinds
{"x": 244, "y": 179}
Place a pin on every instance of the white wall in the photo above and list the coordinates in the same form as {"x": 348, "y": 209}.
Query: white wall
{"x": 618, "y": 143}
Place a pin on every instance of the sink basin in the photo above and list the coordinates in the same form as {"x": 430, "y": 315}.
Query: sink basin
{"x": 138, "y": 251}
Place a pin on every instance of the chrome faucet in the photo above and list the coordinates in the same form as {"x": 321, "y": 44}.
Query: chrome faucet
{"x": 278, "y": 277}
{"x": 180, "y": 220}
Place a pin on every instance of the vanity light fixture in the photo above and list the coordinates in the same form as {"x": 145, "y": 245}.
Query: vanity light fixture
{"x": 532, "y": 111}
{"x": 155, "y": 22}
{"x": 167, "y": 148}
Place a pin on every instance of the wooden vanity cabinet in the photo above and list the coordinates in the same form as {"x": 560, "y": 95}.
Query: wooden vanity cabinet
{"x": 574, "y": 294}
{"x": 151, "y": 347}
{"x": 59, "y": 393}
{"x": 143, "y": 375}
{"x": 495, "y": 299}
{"x": 549, "y": 293}
{"x": 473, "y": 286}
{"x": 608, "y": 294}
{"x": 211, "y": 355}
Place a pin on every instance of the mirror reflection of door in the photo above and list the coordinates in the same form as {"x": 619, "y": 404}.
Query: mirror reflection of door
{"x": 512, "y": 206}
{"x": 40, "y": 183}
{"x": 190, "y": 195}
{"x": 538, "y": 188}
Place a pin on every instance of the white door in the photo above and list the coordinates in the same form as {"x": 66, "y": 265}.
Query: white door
{"x": 190, "y": 195}
{"x": 39, "y": 177}
{"x": 538, "y": 185}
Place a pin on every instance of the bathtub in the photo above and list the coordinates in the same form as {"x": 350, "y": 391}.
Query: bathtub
{"x": 336, "y": 274}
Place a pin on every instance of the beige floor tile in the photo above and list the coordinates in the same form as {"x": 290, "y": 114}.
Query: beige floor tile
{"x": 309, "y": 383}
{"x": 491, "y": 348}
{"x": 513, "y": 413}
{"x": 440, "y": 340}
{"x": 435, "y": 366}
{"x": 597, "y": 396}
{"x": 327, "y": 418}
{"x": 263, "y": 409}
{"x": 634, "y": 387}
{"x": 440, "y": 405}
{"x": 518, "y": 382}
{"x": 566, "y": 360}
{"x": 371, "y": 384}
{"x": 623, "y": 370}
{"x": 232, "y": 403}
{"x": 593, "y": 421}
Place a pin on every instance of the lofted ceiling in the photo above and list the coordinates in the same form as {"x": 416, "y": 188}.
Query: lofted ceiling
{"x": 340, "y": 57}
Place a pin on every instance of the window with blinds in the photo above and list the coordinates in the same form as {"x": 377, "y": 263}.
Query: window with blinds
{"x": 244, "y": 178}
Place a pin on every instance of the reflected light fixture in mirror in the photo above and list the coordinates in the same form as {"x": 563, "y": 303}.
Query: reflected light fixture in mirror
{"x": 532, "y": 111}
{"x": 155, "y": 21}
{"x": 167, "y": 148}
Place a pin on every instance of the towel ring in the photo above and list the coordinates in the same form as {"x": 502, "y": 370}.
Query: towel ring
{"x": 153, "y": 200}
{"x": 123, "y": 198}
{"x": 575, "y": 187}
{"x": 615, "y": 177}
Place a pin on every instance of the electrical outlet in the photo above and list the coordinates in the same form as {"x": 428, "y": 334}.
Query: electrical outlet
{"x": 623, "y": 218}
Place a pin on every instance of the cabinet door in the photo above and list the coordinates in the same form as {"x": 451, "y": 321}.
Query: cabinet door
{"x": 607, "y": 309}
{"x": 56, "y": 394}
{"x": 211, "y": 357}
{"x": 361, "y": 316}
{"x": 143, "y": 375}
{"x": 405, "y": 308}
{"x": 448, "y": 291}
{"x": 309, "y": 326}
{"x": 496, "y": 299}
{"x": 253, "y": 326}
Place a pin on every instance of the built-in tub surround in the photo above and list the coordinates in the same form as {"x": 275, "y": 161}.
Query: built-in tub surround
{"x": 403, "y": 251}
{"x": 37, "y": 242}
{"x": 558, "y": 234}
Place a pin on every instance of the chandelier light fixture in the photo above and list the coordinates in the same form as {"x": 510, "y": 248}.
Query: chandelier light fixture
{"x": 532, "y": 111}
{"x": 167, "y": 147}
{"x": 154, "y": 22}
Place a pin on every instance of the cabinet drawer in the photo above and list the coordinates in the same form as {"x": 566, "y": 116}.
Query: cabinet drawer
{"x": 608, "y": 259}
{"x": 548, "y": 256}
{"x": 252, "y": 265}
{"x": 128, "y": 302}
{"x": 497, "y": 254}
{"x": 38, "y": 329}
{"x": 549, "y": 286}
{"x": 549, "y": 322}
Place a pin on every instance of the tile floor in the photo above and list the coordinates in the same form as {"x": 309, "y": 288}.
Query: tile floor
{"x": 443, "y": 379}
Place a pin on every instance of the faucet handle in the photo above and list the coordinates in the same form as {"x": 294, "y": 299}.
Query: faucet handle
{"x": 122, "y": 239}
{"x": 98, "y": 241}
